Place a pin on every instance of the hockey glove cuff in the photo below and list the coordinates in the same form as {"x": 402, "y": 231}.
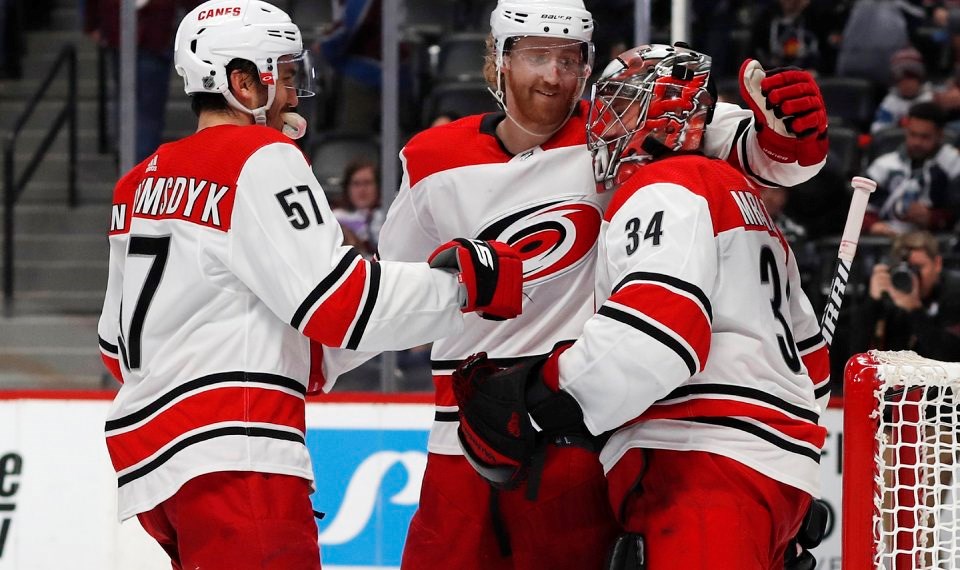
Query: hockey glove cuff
{"x": 554, "y": 410}
{"x": 789, "y": 113}
{"x": 490, "y": 272}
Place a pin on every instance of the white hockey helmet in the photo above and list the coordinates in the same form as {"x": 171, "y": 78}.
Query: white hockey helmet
{"x": 544, "y": 18}
{"x": 219, "y": 31}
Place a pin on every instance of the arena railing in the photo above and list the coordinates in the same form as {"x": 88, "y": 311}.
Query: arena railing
{"x": 13, "y": 185}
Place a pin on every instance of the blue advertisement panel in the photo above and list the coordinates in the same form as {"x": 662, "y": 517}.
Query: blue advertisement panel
{"x": 368, "y": 486}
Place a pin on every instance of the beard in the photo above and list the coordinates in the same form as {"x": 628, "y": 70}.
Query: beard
{"x": 537, "y": 111}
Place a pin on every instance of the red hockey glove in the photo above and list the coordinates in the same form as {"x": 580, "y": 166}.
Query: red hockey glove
{"x": 495, "y": 431}
{"x": 789, "y": 112}
{"x": 491, "y": 273}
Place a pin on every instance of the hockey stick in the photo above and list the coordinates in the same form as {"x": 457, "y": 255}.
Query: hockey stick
{"x": 862, "y": 188}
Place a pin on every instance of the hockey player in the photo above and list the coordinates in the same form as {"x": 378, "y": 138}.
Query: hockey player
{"x": 524, "y": 177}
{"x": 703, "y": 356}
{"x": 227, "y": 278}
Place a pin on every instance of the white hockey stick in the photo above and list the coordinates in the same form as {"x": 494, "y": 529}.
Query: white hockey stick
{"x": 862, "y": 188}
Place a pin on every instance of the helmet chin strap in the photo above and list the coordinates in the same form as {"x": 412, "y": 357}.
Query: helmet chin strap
{"x": 260, "y": 113}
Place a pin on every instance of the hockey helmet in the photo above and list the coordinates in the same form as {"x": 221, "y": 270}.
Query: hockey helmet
{"x": 650, "y": 100}
{"x": 565, "y": 19}
{"x": 219, "y": 31}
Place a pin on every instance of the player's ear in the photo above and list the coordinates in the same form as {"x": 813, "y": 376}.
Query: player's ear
{"x": 244, "y": 87}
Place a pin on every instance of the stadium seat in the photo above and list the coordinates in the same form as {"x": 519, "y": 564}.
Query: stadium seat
{"x": 461, "y": 57}
{"x": 461, "y": 98}
{"x": 844, "y": 154}
{"x": 884, "y": 141}
{"x": 850, "y": 99}
{"x": 475, "y": 14}
{"x": 430, "y": 19}
{"x": 332, "y": 153}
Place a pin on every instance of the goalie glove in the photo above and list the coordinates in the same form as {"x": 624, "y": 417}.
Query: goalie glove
{"x": 490, "y": 272}
{"x": 789, "y": 112}
{"x": 495, "y": 432}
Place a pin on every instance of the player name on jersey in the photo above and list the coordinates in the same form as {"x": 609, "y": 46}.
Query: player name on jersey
{"x": 198, "y": 201}
{"x": 753, "y": 211}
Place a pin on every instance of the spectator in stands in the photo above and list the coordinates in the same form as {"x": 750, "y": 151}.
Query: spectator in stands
{"x": 913, "y": 303}
{"x": 873, "y": 32}
{"x": 909, "y": 87}
{"x": 946, "y": 16}
{"x": 156, "y": 21}
{"x": 791, "y": 33}
{"x": 360, "y": 215}
{"x": 352, "y": 47}
{"x": 917, "y": 183}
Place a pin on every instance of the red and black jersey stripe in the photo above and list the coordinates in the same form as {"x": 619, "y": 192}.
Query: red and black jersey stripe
{"x": 675, "y": 305}
{"x": 199, "y": 410}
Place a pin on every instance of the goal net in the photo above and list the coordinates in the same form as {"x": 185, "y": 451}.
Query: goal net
{"x": 901, "y": 508}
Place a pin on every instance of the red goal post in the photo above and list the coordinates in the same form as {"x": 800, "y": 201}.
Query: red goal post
{"x": 901, "y": 506}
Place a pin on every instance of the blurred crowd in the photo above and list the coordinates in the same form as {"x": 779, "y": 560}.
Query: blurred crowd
{"x": 889, "y": 71}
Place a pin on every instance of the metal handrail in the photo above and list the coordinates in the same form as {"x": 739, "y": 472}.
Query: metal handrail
{"x": 13, "y": 187}
{"x": 103, "y": 146}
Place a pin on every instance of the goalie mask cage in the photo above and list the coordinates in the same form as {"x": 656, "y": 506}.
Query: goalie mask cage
{"x": 901, "y": 508}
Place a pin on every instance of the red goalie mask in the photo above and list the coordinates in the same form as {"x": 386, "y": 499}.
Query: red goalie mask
{"x": 652, "y": 99}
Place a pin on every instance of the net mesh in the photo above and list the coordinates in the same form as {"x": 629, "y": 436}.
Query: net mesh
{"x": 916, "y": 519}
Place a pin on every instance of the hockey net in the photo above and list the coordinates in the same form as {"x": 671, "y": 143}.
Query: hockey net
{"x": 901, "y": 507}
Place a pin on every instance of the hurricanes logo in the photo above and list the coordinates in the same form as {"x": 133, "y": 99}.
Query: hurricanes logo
{"x": 552, "y": 237}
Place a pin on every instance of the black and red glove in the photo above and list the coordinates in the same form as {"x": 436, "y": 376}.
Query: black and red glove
{"x": 495, "y": 432}
{"x": 788, "y": 110}
{"x": 491, "y": 273}
{"x": 811, "y": 534}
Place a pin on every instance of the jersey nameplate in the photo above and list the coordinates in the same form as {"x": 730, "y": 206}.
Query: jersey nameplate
{"x": 198, "y": 201}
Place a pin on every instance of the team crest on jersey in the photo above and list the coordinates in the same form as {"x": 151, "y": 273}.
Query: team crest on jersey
{"x": 551, "y": 237}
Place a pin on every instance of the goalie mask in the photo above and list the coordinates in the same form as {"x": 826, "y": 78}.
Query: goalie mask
{"x": 219, "y": 31}
{"x": 651, "y": 100}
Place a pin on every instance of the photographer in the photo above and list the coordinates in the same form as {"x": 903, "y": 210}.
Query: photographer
{"x": 913, "y": 304}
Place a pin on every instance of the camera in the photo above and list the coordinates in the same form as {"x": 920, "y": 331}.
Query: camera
{"x": 901, "y": 276}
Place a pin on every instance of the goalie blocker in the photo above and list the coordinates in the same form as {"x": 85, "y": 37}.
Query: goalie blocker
{"x": 496, "y": 406}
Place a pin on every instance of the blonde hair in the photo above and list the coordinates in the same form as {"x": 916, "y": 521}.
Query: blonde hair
{"x": 490, "y": 63}
{"x": 903, "y": 244}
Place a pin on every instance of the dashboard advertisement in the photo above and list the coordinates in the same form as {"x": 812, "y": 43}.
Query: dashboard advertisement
{"x": 58, "y": 490}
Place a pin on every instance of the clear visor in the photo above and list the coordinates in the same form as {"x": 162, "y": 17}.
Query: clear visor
{"x": 570, "y": 59}
{"x": 296, "y": 71}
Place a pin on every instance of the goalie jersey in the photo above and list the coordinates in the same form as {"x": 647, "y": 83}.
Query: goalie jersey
{"x": 227, "y": 275}
{"x": 704, "y": 339}
{"x": 543, "y": 202}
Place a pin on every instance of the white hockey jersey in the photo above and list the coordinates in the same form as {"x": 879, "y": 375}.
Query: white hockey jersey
{"x": 227, "y": 274}
{"x": 459, "y": 180}
{"x": 704, "y": 339}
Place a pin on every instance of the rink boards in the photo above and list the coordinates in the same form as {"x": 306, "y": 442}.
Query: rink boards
{"x": 58, "y": 490}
